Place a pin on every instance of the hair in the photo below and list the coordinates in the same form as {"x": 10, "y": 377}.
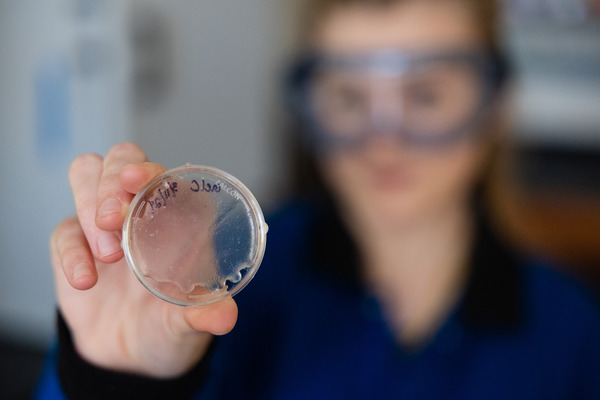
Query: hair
{"x": 486, "y": 14}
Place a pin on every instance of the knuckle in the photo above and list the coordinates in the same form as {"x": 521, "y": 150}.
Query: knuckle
{"x": 65, "y": 225}
{"x": 71, "y": 256}
{"x": 63, "y": 232}
{"x": 66, "y": 228}
{"x": 83, "y": 161}
{"x": 124, "y": 149}
{"x": 86, "y": 211}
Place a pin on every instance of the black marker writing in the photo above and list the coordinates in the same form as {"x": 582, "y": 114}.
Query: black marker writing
{"x": 205, "y": 187}
{"x": 160, "y": 201}
{"x": 170, "y": 189}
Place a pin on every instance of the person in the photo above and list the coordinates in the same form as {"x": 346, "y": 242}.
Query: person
{"x": 387, "y": 281}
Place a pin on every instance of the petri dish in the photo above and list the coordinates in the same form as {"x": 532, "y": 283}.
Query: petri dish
{"x": 194, "y": 235}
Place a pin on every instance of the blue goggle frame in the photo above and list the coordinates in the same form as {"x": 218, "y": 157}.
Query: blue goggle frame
{"x": 389, "y": 62}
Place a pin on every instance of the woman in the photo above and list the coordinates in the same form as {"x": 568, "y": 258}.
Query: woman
{"x": 388, "y": 285}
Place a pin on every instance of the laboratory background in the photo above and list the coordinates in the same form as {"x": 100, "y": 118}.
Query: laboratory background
{"x": 200, "y": 82}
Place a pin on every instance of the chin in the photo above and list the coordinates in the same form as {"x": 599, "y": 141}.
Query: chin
{"x": 386, "y": 210}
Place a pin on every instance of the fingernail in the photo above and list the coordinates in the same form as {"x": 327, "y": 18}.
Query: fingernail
{"x": 80, "y": 270}
{"x": 108, "y": 244}
{"x": 110, "y": 206}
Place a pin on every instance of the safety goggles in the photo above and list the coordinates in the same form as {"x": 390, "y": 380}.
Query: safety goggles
{"x": 425, "y": 99}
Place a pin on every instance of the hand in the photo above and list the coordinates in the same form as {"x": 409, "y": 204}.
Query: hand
{"x": 115, "y": 322}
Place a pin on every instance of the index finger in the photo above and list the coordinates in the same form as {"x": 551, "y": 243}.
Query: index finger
{"x": 113, "y": 199}
{"x": 84, "y": 176}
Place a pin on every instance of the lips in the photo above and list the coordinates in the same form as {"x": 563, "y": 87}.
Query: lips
{"x": 390, "y": 178}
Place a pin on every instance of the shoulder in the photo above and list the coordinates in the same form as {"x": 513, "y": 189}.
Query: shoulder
{"x": 560, "y": 304}
{"x": 563, "y": 327}
{"x": 552, "y": 286}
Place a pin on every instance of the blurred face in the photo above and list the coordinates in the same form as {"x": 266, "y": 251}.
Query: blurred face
{"x": 385, "y": 180}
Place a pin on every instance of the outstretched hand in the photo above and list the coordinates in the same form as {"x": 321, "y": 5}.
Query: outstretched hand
{"x": 115, "y": 322}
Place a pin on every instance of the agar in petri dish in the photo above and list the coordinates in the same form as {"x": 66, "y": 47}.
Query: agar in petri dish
{"x": 194, "y": 235}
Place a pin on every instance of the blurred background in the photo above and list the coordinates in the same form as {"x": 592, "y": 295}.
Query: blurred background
{"x": 199, "y": 81}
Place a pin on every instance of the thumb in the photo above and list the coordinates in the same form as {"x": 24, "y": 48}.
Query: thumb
{"x": 218, "y": 318}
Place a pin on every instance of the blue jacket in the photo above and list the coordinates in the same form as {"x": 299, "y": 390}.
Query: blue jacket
{"x": 307, "y": 330}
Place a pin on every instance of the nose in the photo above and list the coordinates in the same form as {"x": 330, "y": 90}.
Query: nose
{"x": 383, "y": 150}
{"x": 386, "y": 112}
{"x": 385, "y": 127}
{"x": 384, "y": 136}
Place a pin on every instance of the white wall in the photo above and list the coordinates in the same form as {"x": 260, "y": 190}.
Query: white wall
{"x": 54, "y": 103}
{"x": 220, "y": 103}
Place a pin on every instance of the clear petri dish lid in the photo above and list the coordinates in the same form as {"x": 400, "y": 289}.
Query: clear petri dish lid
{"x": 194, "y": 235}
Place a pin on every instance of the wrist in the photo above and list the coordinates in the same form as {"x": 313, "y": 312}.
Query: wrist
{"x": 83, "y": 379}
